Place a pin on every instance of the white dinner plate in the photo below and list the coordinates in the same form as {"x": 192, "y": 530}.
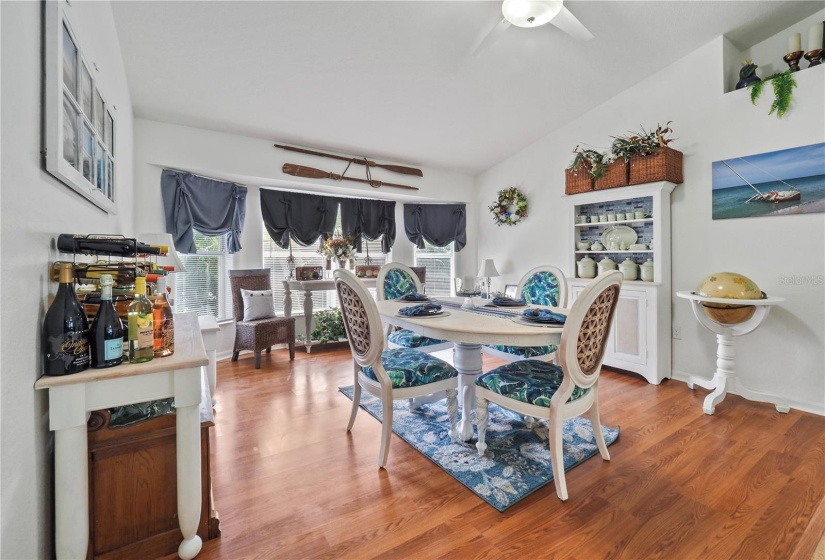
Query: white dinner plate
{"x": 619, "y": 234}
{"x": 439, "y": 314}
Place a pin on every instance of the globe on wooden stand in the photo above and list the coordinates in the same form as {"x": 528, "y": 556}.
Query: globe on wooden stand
{"x": 729, "y": 285}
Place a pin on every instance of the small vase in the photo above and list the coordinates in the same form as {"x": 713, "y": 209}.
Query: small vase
{"x": 329, "y": 264}
{"x": 342, "y": 263}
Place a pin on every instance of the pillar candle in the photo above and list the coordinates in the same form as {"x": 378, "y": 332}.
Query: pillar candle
{"x": 795, "y": 42}
{"x": 815, "y": 37}
{"x": 469, "y": 283}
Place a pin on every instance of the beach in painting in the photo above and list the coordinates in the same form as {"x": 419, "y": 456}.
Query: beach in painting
{"x": 802, "y": 168}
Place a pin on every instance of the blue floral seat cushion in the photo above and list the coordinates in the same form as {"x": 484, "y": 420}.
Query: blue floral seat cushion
{"x": 529, "y": 381}
{"x": 410, "y": 339}
{"x": 526, "y": 351}
{"x": 542, "y": 288}
{"x": 411, "y": 368}
{"x": 397, "y": 283}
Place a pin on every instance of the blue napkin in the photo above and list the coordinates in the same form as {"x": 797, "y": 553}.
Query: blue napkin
{"x": 505, "y": 301}
{"x": 414, "y": 297}
{"x": 418, "y": 310}
{"x": 544, "y": 316}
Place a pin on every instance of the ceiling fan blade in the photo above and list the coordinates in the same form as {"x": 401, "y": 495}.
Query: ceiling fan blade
{"x": 568, "y": 23}
{"x": 491, "y": 37}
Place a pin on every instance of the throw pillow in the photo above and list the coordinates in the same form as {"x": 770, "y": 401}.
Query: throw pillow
{"x": 257, "y": 304}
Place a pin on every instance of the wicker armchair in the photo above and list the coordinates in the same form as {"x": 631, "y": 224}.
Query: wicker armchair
{"x": 263, "y": 333}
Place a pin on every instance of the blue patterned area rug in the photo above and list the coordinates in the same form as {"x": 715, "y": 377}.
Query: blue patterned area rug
{"x": 517, "y": 461}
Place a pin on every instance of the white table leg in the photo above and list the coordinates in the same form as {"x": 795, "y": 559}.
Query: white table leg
{"x": 71, "y": 487}
{"x": 467, "y": 359}
{"x": 189, "y": 479}
{"x": 308, "y": 319}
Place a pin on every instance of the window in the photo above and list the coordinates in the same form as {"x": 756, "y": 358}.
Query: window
{"x": 204, "y": 287}
{"x": 275, "y": 259}
{"x": 81, "y": 125}
{"x": 440, "y": 268}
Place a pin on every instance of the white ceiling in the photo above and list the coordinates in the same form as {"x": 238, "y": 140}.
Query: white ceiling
{"x": 395, "y": 80}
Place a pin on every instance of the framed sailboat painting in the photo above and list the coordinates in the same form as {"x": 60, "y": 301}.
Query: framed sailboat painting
{"x": 779, "y": 183}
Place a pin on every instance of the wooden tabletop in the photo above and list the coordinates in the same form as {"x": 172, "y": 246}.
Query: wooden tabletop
{"x": 473, "y": 328}
{"x": 189, "y": 353}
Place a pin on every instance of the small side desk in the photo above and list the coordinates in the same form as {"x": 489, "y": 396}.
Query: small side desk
{"x": 73, "y": 397}
{"x": 309, "y": 286}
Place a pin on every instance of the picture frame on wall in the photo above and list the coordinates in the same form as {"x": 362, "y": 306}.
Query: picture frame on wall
{"x": 781, "y": 183}
{"x": 81, "y": 122}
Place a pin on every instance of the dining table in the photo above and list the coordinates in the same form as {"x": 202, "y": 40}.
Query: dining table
{"x": 469, "y": 330}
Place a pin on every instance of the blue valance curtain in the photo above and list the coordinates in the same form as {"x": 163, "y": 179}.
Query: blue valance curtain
{"x": 370, "y": 219}
{"x": 438, "y": 224}
{"x": 212, "y": 207}
{"x": 306, "y": 217}
{"x": 302, "y": 217}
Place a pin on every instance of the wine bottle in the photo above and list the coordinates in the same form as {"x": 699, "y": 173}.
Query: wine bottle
{"x": 164, "y": 341}
{"x": 65, "y": 330}
{"x": 107, "y": 330}
{"x": 141, "y": 328}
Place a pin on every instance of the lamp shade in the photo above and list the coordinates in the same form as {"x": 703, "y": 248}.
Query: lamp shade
{"x": 171, "y": 258}
{"x": 530, "y": 13}
{"x": 488, "y": 269}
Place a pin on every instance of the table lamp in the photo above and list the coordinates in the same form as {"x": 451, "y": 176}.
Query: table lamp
{"x": 487, "y": 271}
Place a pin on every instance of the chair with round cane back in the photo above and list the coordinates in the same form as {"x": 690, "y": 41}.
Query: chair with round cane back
{"x": 557, "y": 392}
{"x": 395, "y": 374}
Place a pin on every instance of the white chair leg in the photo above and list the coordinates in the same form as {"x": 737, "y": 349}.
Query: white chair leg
{"x": 386, "y": 428}
{"x": 557, "y": 453}
{"x": 597, "y": 430}
{"x": 452, "y": 410}
{"x": 483, "y": 419}
{"x": 356, "y": 402}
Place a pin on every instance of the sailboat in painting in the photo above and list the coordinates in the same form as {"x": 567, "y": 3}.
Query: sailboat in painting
{"x": 791, "y": 194}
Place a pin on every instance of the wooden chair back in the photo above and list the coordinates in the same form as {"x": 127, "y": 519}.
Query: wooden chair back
{"x": 249, "y": 279}
{"x": 361, "y": 319}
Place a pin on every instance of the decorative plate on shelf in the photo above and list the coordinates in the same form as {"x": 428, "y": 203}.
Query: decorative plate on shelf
{"x": 619, "y": 234}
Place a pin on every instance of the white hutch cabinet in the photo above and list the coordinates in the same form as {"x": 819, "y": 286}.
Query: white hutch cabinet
{"x": 640, "y": 337}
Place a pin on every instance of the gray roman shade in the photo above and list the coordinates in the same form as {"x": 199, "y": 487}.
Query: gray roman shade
{"x": 366, "y": 218}
{"x": 302, "y": 217}
{"x": 212, "y": 207}
{"x": 438, "y": 224}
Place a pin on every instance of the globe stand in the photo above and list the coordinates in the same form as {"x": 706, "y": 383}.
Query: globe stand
{"x": 725, "y": 375}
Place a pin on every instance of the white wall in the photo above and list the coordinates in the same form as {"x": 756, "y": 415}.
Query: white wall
{"x": 785, "y": 356}
{"x": 36, "y": 207}
{"x": 256, "y": 162}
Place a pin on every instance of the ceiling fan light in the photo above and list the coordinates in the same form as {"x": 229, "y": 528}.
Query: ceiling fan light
{"x": 530, "y": 13}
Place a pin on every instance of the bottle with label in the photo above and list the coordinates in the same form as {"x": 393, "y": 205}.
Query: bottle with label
{"x": 107, "y": 330}
{"x": 164, "y": 337}
{"x": 65, "y": 330}
{"x": 141, "y": 325}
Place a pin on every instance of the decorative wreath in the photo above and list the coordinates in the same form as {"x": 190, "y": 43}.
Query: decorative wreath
{"x": 510, "y": 208}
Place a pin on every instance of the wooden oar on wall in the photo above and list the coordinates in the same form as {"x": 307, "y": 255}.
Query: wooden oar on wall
{"x": 312, "y": 173}
{"x": 360, "y": 161}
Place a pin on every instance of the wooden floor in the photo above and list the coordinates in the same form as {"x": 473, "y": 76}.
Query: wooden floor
{"x": 289, "y": 482}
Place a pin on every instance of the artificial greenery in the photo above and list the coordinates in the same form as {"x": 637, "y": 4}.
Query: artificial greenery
{"x": 783, "y": 84}
{"x": 329, "y": 326}
{"x": 643, "y": 142}
{"x": 591, "y": 161}
{"x": 510, "y": 208}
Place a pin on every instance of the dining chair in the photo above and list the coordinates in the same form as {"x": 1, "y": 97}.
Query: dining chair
{"x": 396, "y": 280}
{"x": 259, "y": 334}
{"x": 543, "y": 285}
{"x": 557, "y": 392}
{"x": 394, "y": 374}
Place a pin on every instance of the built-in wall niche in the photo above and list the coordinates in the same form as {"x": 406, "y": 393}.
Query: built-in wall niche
{"x": 80, "y": 121}
{"x": 768, "y": 53}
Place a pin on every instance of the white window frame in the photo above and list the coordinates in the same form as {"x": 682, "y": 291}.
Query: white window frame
{"x": 56, "y": 21}
{"x": 224, "y": 291}
{"x": 451, "y": 283}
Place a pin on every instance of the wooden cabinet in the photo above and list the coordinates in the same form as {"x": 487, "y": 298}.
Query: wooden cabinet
{"x": 640, "y": 336}
{"x": 132, "y": 489}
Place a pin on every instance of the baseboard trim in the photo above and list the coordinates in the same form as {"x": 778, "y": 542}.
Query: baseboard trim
{"x": 805, "y": 406}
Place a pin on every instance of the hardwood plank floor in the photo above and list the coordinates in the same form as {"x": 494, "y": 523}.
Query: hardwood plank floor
{"x": 289, "y": 482}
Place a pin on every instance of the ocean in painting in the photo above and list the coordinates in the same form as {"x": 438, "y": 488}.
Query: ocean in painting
{"x": 730, "y": 202}
{"x": 737, "y": 179}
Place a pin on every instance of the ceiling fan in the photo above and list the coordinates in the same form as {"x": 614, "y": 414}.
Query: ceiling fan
{"x": 534, "y": 13}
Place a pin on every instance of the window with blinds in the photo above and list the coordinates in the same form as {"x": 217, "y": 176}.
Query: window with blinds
{"x": 440, "y": 268}
{"x": 275, "y": 259}
{"x": 204, "y": 287}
